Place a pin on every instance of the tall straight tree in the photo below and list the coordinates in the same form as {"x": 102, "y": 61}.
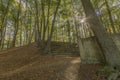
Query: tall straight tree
{"x": 3, "y": 24}
{"x": 16, "y": 25}
{"x": 47, "y": 48}
{"x": 111, "y": 51}
{"x": 110, "y": 16}
{"x": 37, "y": 26}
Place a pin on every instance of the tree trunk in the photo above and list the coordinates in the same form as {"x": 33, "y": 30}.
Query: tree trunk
{"x": 69, "y": 32}
{"x": 111, "y": 51}
{"x": 16, "y": 25}
{"x": 110, "y": 16}
{"x": 47, "y": 48}
{"x": 3, "y": 23}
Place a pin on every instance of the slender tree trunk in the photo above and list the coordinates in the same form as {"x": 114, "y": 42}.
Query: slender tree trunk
{"x": 15, "y": 35}
{"x": 47, "y": 48}
{"x": 21, "y": 34}
{"x": 110, "y": 16}
{"x": 38, "y": 35}
{"x": 8, "y": 42}
{"x": 69, "y": 33}
{"x": 43, "y": 19}
{"x": 3, "y": 25}
{"x": 16, "y": 25}
{"x": 3, "y": 38}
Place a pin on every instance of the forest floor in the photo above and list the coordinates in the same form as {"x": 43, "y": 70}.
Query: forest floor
{"x": 26, "y": 63}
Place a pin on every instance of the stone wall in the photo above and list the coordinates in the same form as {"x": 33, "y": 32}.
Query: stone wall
{"x": 92, "y": 52}
{"x": 64, "y": 48}
{"x": 116, "y": 39}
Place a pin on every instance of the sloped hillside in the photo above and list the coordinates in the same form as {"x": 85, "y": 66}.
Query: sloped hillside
{"x": 26, "y": 63}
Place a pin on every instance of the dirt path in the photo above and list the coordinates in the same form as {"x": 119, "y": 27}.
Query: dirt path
{"x": 71, "y": 73}
{"x": 53, "y": 68}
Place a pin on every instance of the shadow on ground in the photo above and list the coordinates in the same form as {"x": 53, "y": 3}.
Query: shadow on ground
{"x": 26, "y": 63}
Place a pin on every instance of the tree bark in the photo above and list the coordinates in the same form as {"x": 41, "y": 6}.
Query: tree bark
{"x": 69, "y": 32}
{"x": 111, "y": 51}
{"x": 16, "y": 25}
{"x": 47, "y": 48}
{"x": 110, "y": 16}
{"x": 3, "y": 23}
